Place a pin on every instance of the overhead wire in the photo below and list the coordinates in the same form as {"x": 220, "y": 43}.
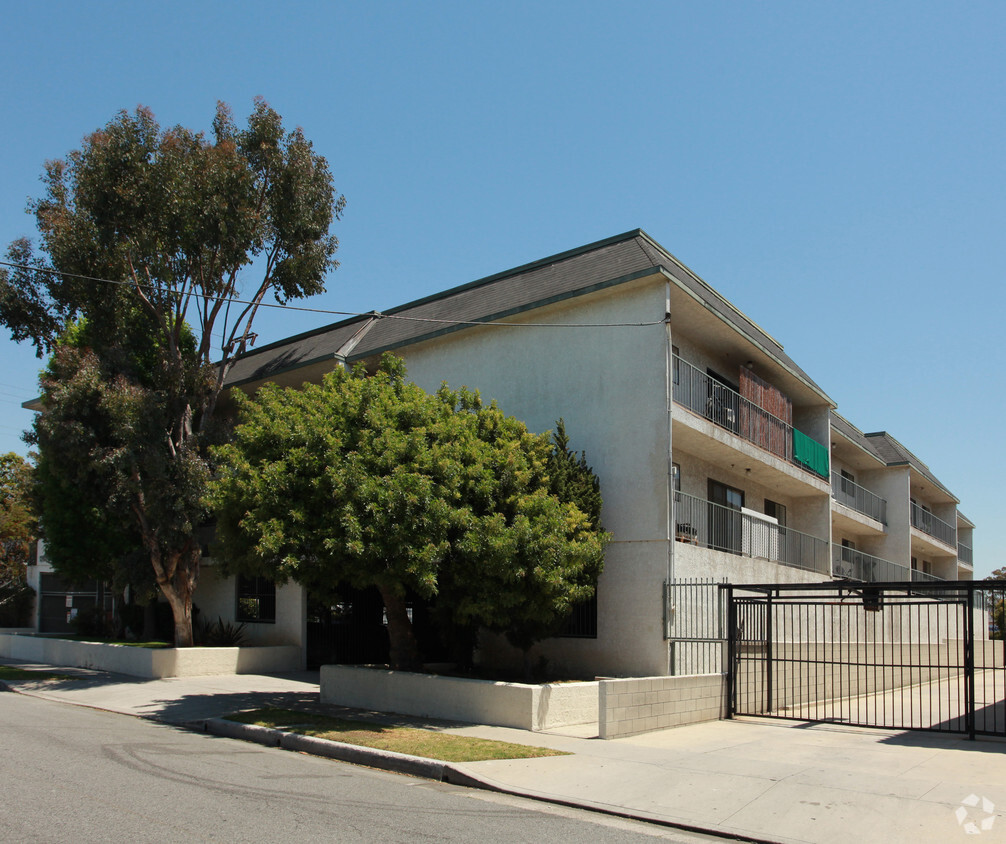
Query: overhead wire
{"x": 328, "y": 312}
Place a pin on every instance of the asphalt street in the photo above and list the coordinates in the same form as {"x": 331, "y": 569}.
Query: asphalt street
{"x": 76, "y": 774}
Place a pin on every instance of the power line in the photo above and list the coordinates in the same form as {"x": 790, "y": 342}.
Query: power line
{"x": 374, "y": 314}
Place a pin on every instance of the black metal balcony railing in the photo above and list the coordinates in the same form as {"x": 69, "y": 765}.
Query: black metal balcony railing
{"x": 929, "y": 524}
{"x": 855, "y": 565}
{"x": 965, "y": 554}
{"x": 848, "y": 492}
{"x": 727, "y": 408}
{"x": 722, "y": 528}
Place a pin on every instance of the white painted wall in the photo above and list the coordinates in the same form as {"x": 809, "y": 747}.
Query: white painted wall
{"x": 216, "y": 597}
{"x": 519, "y": 705}
{"x": 609, "y": 385}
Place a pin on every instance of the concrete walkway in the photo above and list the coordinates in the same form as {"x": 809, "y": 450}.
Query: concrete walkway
{"x": 778, "y": 781}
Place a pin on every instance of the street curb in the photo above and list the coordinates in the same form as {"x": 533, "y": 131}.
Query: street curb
{"x": 387, "y": 760}
{"x": 445, "y": 772}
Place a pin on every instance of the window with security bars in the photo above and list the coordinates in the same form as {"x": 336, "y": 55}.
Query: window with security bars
{"x": 582, "y": 622}
{"x": 256, "y": 600}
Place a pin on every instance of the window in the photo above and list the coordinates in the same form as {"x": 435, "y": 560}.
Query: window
{"x": 676, "y": 364}
{"x": 776, "y": 511}
{"x": 256, "y": 600}
{"x": 582, "y": 622}
{"x": 724, "y": 519}
{"x": 676, "y": 476}
{"x": 727, "y": 496}
{"x": 848, "y": 483}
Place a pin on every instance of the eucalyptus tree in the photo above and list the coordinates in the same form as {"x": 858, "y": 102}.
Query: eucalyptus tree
{"x": 178, "y": 236}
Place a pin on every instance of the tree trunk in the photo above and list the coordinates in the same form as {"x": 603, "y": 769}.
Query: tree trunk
{"x": 404, "y": 655}
{"x": 178, "y": 590}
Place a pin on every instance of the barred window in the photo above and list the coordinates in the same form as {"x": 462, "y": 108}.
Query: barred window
{"x": 582, "y": 622}
{"x": 256, "y": 600}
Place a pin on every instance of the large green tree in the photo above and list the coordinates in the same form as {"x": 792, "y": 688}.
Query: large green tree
{"x": 18, "y": 530}
{"x": 370, "y": 481}
{"x": 996, "y": 602}
{"x": 145, "y": 232}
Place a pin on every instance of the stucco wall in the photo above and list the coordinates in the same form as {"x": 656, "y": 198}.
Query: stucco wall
{"x": 692, "y": 561}
{"x": 216, "y": 597}
{"x": 524, "y": 706}
{"x": 892, "y": 484}
{"x": 609, "y": 385}
{"x": 150, "y": 662}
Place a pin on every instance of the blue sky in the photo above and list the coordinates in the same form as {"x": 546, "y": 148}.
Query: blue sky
{"x": 836, "y": 170}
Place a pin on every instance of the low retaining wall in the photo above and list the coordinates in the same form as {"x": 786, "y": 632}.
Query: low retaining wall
{"x": 527, "y": 707}
{"x": 151, "y": 663}
{"x": 643, "y": 704}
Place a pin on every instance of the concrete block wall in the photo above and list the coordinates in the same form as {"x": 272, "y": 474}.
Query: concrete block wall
{"x": 640, "y": 705}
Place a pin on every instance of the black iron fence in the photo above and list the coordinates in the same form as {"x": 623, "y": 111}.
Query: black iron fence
{"x": 896, "y": 655}
{"x": 696, "y": 626}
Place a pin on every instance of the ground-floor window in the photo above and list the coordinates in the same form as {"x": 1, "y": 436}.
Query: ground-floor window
{"x": 582, "y": 623}
{"x": 256, "y": 600}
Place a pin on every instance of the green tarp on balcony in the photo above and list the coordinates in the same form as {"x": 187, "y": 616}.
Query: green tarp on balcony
{"x": 810, "y": 453}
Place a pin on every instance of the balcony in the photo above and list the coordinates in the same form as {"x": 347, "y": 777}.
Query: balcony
{"x": 848, "y": 492}
{"x": 850, "y": 564}
{"x": 701, "y": 522}
{"x": 727, "y": 408}
{"x": 925, "y": 521}
{"x": 965, "y": 554}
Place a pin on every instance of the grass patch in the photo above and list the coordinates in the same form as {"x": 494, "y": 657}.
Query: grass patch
{"x": 9, "y": 672}
{"x": 429, "y": 744}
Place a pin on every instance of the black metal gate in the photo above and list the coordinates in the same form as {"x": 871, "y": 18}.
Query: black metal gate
{"x": 60, "y": 602}
{"x": 905, "y": 656}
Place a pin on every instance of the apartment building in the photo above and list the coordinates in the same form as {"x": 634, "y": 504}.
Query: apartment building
{"x": 719, "y": 457}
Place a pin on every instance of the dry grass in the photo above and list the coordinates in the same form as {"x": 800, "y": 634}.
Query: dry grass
{"x": 429, "y": 744}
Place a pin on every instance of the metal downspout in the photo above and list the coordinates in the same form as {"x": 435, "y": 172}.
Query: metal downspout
{"x": 669, "y": 476}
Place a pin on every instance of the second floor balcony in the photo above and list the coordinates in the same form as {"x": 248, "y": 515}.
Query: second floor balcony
{"x": 701, "y": 522}
{"x": 930, "y": 525}
{"x": 965, "y": 554}
{"x": 850, "y": 564}
{"x": 846, "y": 491}
{"x": 720, "y": 404}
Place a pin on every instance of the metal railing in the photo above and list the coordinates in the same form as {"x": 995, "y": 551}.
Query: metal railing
{"x": 965, "y": 554}
{"x": 855, "y": 565}
{"x": 696, "y": 625}
{"x": 727, "y": 408}
{"x": 846, "y": 491}
{"x": 721, "y": 528}
{"x": 925, "y": 521}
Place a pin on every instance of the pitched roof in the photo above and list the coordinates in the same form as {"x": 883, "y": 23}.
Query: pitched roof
{"x": 844, "y": 427}
{"x": 893, "y": 453}
{"x": 605, "y": 263}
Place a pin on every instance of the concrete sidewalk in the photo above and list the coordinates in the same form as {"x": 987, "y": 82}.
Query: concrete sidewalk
{"x": 777, "y": 781}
